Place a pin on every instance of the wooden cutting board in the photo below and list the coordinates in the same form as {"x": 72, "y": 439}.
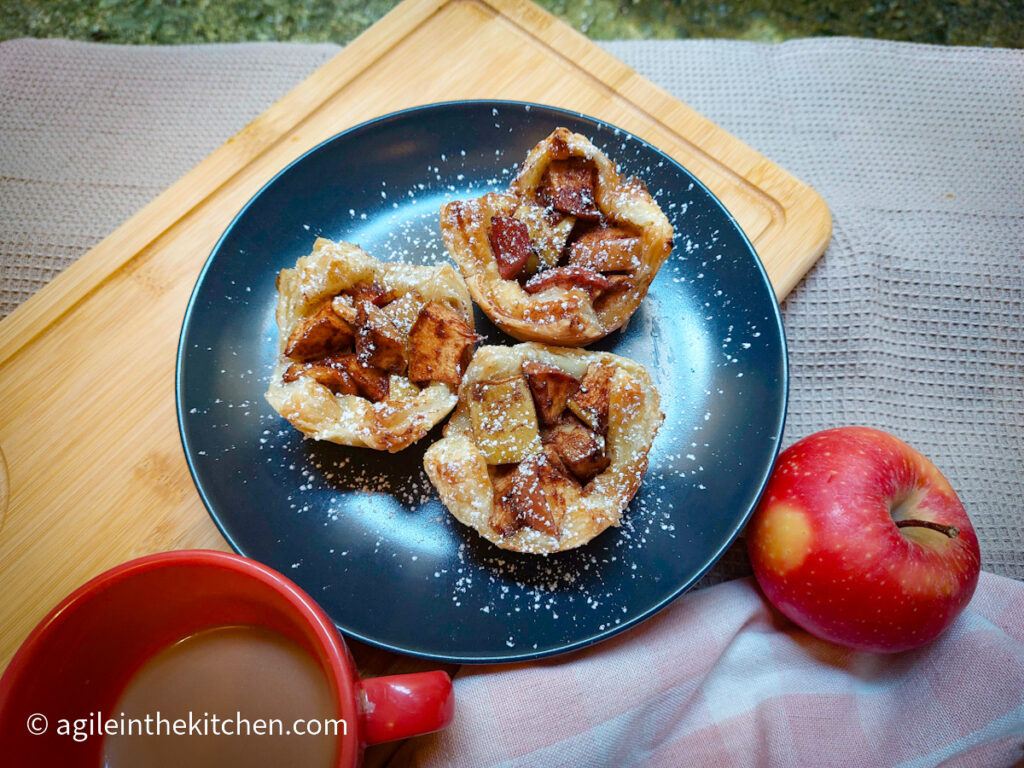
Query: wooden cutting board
{"x": 95, "y": 473}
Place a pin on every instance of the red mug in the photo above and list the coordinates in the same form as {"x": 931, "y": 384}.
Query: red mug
{"x": 78, "y": 660}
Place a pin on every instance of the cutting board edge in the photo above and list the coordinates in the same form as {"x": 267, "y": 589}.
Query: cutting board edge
{"x": 102, "y": 261}
{"x": 88, "y": 273}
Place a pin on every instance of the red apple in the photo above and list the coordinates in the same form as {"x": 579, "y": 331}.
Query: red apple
{"x": 860, "y": 540}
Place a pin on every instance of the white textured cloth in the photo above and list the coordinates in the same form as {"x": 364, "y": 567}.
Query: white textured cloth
{"x": 721, "y": 679}
{"x": 912, "y": 321}
{"x": 91, "y": 133}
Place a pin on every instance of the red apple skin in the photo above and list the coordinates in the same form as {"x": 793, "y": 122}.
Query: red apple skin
{"x": 827, "y": 552}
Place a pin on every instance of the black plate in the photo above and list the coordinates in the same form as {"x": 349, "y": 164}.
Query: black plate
{"x": 364, "y": 532}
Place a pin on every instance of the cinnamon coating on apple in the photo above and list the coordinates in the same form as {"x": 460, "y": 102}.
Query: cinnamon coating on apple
{"x": 547, "y": 445}
{"x": 567, "y": 254}
{"x": 371, "y": 353}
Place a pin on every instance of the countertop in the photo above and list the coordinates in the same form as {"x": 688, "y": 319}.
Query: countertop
{"x": 992, "y": 23}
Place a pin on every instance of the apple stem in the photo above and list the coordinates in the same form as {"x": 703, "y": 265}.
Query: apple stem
{"x": 950, "y": 530}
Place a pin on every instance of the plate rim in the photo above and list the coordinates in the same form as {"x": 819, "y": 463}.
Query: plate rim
{"x": 595, "y": 638}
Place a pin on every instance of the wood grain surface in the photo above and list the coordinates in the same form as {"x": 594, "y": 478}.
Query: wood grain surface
{"x": 96, "y": 472}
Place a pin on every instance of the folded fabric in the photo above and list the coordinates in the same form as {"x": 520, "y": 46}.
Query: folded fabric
{"x": 722, "y": 679}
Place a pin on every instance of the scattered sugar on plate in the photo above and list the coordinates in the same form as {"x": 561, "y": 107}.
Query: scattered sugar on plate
{"x": 561, "y": 591}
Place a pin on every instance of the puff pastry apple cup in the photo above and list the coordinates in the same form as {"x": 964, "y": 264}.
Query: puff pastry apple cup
{"x": 547, "y": 445}
{"x": 371, "y": 353}
{"x": 567, "y": 254}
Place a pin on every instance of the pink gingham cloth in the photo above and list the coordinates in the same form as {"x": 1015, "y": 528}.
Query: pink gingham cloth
{"x": 721, "y": 679}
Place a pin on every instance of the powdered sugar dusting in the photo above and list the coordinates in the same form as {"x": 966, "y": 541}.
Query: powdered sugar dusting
{"x": 364, "y": 531}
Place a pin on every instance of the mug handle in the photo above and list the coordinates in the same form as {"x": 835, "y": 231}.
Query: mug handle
{"x": 401, "y": 706}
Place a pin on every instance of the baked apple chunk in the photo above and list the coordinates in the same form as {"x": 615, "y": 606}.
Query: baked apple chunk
{"x": 371, "y": 353}
{"x": 519, "y": 465}
{"x": 567, "y": 254}
{"x": 440, "y": 345}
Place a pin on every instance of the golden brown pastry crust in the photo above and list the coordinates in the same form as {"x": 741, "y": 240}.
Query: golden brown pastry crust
{"x": 465, "y": 482}
{"x": 408, "y": 412}
{"x": 558, "y": 315}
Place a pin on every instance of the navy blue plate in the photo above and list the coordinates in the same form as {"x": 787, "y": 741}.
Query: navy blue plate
{"x": 364, "y": 532}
